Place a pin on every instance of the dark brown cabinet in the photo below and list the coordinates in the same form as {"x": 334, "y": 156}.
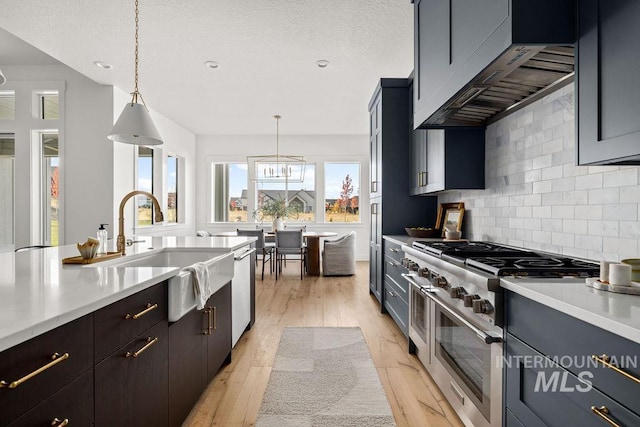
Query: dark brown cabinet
{"x": 200, "y": 343}
{"x": 607, "y": 83}
{"x": 65, "y": 353}
{"x": 72, "y": 405}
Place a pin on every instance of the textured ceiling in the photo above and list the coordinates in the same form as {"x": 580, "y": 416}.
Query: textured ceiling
{"x": 267, "y": 50}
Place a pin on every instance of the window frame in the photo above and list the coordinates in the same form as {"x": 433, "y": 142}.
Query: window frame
{"x": 319, "y": 184}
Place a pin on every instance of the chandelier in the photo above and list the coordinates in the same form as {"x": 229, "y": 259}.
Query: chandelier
{"x": 277, "y": 167}
{"x": 134, "y": 126}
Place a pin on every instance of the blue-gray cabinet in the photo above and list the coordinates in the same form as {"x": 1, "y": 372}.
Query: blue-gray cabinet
{"x": 455, "y": 41}
{"x": 396, "y": 289}
{"x": 607, "y": 82}
{"x": 551, "y": 377}
{"x": 391, "y": 207}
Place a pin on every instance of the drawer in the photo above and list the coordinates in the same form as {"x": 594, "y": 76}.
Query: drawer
{"x": 74, "y": 339}
{"x": 398, "y": 308}
{"x": 393, "y": 273}
{"x": 120, "y": 322}
{"x": 572, "y": 342}
{"x": 73, "y": 403}
{"x": 393, "y": 250}
{"x": 540, "y": 393}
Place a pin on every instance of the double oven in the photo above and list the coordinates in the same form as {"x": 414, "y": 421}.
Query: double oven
{"x": 454, "y": 332}
{"x": 456, "y": 315}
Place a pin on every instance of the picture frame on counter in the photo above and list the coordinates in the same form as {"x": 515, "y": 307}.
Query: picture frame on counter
{"x": 442, "y": 209}
{"x": 452, "y": 220}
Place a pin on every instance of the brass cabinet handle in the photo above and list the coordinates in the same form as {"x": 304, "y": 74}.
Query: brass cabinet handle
{"x": 374, "y": 186}
{"x": 149, "y": 343}
{"x": 603, "y": 412}
{"x": 392, "y": 264}
{"x": 374, "y": 208}
{"x": 55, "y": 359}
{"x": 391, "y": 294}
{"x": 59, "y": 423}
{"x": 394, "y": 250}
{"x": 215, "y": 318}
{"x": 207, "y": 330}
{"x": 142, "y": 313}
{"x": 604, "y": 359}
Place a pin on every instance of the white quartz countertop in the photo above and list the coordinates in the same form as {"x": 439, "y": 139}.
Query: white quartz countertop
{"x": 38, "y": 293}
{"x": 616, "y": 313}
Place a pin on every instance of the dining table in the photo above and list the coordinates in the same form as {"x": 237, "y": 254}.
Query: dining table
{"x": 313, "y": 246}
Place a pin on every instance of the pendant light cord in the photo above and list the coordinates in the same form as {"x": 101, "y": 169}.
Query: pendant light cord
{"x": 277, "y": 117}
{"x": 136, "y": 92}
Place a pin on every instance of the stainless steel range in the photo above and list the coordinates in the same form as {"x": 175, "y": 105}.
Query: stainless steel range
{"x": 456, "y": 316}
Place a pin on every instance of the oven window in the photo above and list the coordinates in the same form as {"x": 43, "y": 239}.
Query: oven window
{"x": 419, "y": 313}
{"x": 467, "y": 358}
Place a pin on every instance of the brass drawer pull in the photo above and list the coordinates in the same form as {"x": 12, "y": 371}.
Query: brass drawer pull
{"x": 142, "y": 313}
{"x": 207, "y": 330}
{"x": 603, "y": 412}
{"x": 215, "y": 318}
{"x": 149, "y": 343}
{"x": 604, "y": 359}
{"x": 55, "y": 359}
{"x": 59, "y": 423}
{"x": 394, "y": 250}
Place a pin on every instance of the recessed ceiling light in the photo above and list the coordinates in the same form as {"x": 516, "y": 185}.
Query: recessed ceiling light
{"x": 322, "y": 63}
{"x": 212, "y": 64}
{"x": 103, "y": 65}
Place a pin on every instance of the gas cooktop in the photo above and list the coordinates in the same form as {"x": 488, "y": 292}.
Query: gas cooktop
{"x": 507, "y": 261}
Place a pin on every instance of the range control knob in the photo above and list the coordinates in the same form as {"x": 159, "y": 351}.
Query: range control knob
{"x": 441, "y": 282}
{"x": 469, "y": 298}
{"x": 414, "y": 266}
{"x": 457, "y": 292}
{"x": 482, "y": 306}
{"x": 423, "y": 272}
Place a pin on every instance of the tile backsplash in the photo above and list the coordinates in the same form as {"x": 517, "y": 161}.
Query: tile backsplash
{"x": 537, "y": 198}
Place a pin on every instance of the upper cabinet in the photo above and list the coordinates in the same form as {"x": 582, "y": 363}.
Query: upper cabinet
{"x": 474, "y": 59}
{"x": 607, "y": 81}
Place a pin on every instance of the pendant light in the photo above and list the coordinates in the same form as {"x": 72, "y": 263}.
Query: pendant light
{"x": 276, "y": 167}
{"x": 134, "y": 126}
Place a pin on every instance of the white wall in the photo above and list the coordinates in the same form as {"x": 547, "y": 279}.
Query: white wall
{"x": 537, "y": 197}
{"x": 225, "y": 148}
{"x": 95, "y": 172}
{"x": 177, "y": 141}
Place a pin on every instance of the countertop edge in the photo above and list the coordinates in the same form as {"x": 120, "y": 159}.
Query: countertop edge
{"x": 609, "y": 324}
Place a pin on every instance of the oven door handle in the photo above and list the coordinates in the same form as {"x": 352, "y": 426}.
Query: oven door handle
{"x": 487, "y": 337}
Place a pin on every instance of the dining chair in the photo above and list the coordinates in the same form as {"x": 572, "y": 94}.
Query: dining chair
{"x": 290, "y": 242}
{"x": 262, "y": 248}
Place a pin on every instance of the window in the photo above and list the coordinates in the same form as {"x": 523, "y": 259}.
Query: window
{"x": 145, "y": 183}
{"x": 300, "y": 195}
{"x": 342, "y": 192}
{"x": 172, "y": 190}
{"x": 49, "y": 109}
{"x": 7, "y": 196}
{"x": 50, "y": 177}
{"x": 229, "y": 186}
{"x": 7, "y": 105}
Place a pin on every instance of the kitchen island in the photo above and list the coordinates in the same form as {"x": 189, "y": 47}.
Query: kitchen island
{"x": 92, "y": 343}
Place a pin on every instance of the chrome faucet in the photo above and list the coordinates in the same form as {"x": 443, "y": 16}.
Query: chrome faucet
{"x": 120, "y": 242}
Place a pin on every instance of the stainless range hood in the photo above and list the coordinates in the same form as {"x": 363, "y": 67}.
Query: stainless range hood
{"x": 521, "y": 75}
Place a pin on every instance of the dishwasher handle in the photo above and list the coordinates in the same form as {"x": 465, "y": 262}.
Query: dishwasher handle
{"x": 242, "y": 254}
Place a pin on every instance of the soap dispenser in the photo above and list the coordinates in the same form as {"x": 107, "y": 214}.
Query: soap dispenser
{"x": 102, "y": 238}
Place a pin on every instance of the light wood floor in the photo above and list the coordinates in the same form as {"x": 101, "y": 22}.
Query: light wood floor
{"x": 233, "y": 398}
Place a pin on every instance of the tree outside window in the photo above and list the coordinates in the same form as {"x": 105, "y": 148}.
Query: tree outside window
{"x": 342, "y": 192}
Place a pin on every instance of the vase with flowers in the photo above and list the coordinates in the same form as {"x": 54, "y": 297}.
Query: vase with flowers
{"x": 277, "y": 210}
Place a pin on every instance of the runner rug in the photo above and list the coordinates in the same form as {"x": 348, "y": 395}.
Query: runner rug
{"x": 324, "y": 377}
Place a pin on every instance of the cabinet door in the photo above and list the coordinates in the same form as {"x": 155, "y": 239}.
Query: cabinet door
{"x": 540, "y": 393}
{"x": 418, "y": 162}
{"x": 431, "y": 50}
{"x": 435, "y": 160}
{"x": 375, "y": 188}
{"x": 73, "y": 405}
{"x": 133, "y": 391}
{"x": 73, "y": 346}
{"x": 219, "y": 341}
{"x": 375, "y": 272}
{"x": 187, "y": 364}
{"x": 607, "y": 81}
